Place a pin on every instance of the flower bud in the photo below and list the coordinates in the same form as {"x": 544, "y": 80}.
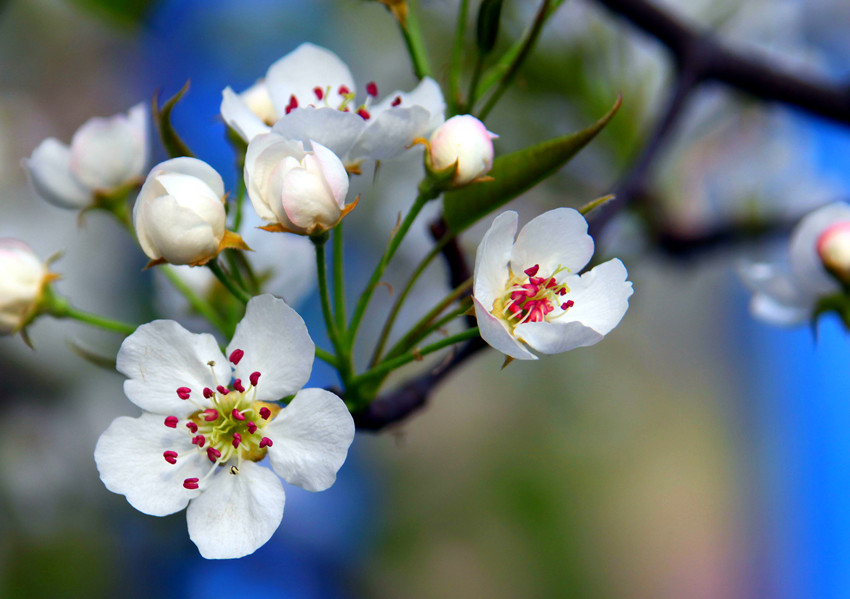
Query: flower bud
{"x": 463, "y": 141}
{"x": 833, "y": 247}
{"x": 293, "y": 189}
{"x": 105, "y": 155}
{"x": 22, "y": 280}
{"x": 179, "y": 214}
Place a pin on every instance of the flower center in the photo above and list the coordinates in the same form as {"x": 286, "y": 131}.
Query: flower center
{"x": 230, "y": 429}
{"x": 322, "y": 96}
{"x": 529, "y": 297}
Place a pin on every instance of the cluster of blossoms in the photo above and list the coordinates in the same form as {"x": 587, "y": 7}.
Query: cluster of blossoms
{"x": 211, "y": 418}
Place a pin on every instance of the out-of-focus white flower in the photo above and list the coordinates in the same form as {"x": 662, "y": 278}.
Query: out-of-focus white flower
{"x": 293, "y": 189}
{"x": 787, "y": 294}
{"x": 200, "y": 437}
{"x": 23, "y": 277}
{"x": 179, "y": 215}
{"x": 309, "y": 95}
{"x": 105, "y": 155}
{"x": 528, "y": 292}
{"x": 462, "y": 140}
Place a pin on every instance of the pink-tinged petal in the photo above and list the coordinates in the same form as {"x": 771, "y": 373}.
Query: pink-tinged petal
{"x": 427, "y": 95}
{"x": 492, "y": 259}
{"x": 305, "y": 68}
{"x": 557, "y": 337}
{"x": 311, "y": 439}
{"x": 390, "y": 133}
{"x": 338, "y": 131}
{"x": 263, "y": 159}
{"x": 600, "y": 296}
{"x": 162, "y": 356}
{"x": 276, "y": 344}
{"x": 555, "y": 238}
{"x": 106, "y": 152}
{"x": 802, "y": 248}
{"x": 239, "y": 116}
{"x": 333, "y": 172}
{"x": 236, "y": 513}
{"x": 129, "y": 457}
{"x": 495, "y": 332}
{"x": 49, "y": 173}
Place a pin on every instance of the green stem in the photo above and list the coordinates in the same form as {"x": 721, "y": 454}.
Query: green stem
{"x": 200, "y": 305}
{"x": 228, "y": 282}
{"x": 326, "y": 356}
{"x": 426, "y": 193}
{"x": 414, "y": 42}
{"x": 390, "y": 365}
{"x": 339, "y": 277}
{"x": 455, "y": 104}
{"x": 60, "y": 308}
{"x": 342, "y": 361}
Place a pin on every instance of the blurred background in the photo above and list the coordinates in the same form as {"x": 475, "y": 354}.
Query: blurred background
{"x": 695, "y": 453}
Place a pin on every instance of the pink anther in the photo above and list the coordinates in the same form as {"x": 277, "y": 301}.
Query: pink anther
{"x": 190, "y": 483}
{"x": 237, "y": 384}
{"x": 237, "y": 439}
{"x": 222, "y": 389}
{"x": 265, "y": 442}
{"x": 210, "y": 414}
{"x": 252, "y": 428}
{"x": 171, "y": 421}
{"x": 567, "y": 304}
{"x": 208, "y": 393}
{"x": 170, "y": 456}
{"x": 320, "y": 93}
{"x": 199, "y": 440}
{"x": 532, "y": 270}
{"x": 183, "y": 392}
{"x": 364, "y": 114}
{"x": 237, "y": 354}
{"x": 343, "y": 90}
{"x": 237, "y": 414}
{"x": 396, "y": 101}
{"x": 213, "y": 454}
{"x": 265, "y": 413}
{"x": 192, "y": 426}
{"x": 255, "y": 376}
{"x": 372, "y": 89}
{"x": 293, "y": 104}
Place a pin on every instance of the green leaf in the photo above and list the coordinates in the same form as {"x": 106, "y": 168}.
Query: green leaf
{"x": 487, "y": 30}
{"x": 516, "y": 173}
{"x": 162, "y": 117}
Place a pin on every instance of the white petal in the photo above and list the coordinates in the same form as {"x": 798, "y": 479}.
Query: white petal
{"x": 769, "y": 309}
{"x": 49, "y": 173}
{"x": 491, "y": 260}
{"x": 601, "y": 298}
{"x": 240, "y": 117}
{"x": 557, "y": 337}
{"x": 276, "y": 344}
{"x": 162, "y": 356}
{"x": 262, "y": 159}
{"x": 305, "y": 68}
{"x": 337, "y": 131}
{"x": 106, "y": 152}
{"x": 193, "y": 167}
{"x": 137, "y": 117}
{"x": 236, "y": 513}
{"x": 427, "y": 95}
{"x": 194, "y": 194}
{"x": 306, "y": 198}
{"x": 311, "y": 437}
{"x": 773, "y": 281}
{"x": 495, "y": 332}
{"x": 333, "y": 172}
{"x": 802, "y": 248}
{"x": 555, "y": 238}
{"x": 129, "y": 457}
{"x": 390, "y": 133}
{"x": 178, "y": 234}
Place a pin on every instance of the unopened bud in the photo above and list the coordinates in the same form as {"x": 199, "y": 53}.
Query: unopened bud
{"x": 462, "y": 140}
{"x": 833, "y": 247}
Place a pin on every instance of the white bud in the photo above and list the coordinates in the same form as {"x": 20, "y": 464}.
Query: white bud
{"x": 22, "y": 279}
{"x": 297, "y": 190}
{"x": 464, "y": 140}
{"x": 105, "y": 154}
{"x": 179, "y": 214}
{"x": 833, "y": 247}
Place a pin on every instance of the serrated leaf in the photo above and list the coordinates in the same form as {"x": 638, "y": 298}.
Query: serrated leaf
{"x": 162, "y": 117}
{"x": 516, "y": 173}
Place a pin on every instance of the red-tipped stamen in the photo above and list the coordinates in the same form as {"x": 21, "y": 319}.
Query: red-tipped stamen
{"x": 190, "y": 483}
{"x": 265, "y": 442}
{"x": 222, "y": 389}
{"x": 237, "y": 384}
{"x": 396, "y": 101}
{"x": 210, "y": 414}
{"x": 532, "y": 270}
{"x": 208, "y": 393}
{"x": 293, "y": 104}
{"x": 237, "y": 439}
{"x": 372, "y": 89}
{"x": 255, "y": 376}
{"x": 192, "y": 427}
{"x": 265, "y": 413}
{"x": 320, "y": 93}
{"x": 252, "y": 428}
{"x": 567, "y": 304}
{"x": 213, "y": 454}
{"x": 171, "y": 421}
{"x": 170, "y": 456}
{"x": 364, "y": 114}
{"x": 237, "y": 414}
{"x": 343, "y": 90}
{"x": 236, "y": 354}
{"x": 199, "y": 440}
{"x": 183, "y": 392}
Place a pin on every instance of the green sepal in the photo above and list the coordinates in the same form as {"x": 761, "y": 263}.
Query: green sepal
{"x": 487, "y": 28}
{"x": 90, "y": 355}
{"x": 516, "y": 173}
{"x": 162, "y": 117}
{"x": 594, "y": 204}
{"x": 838, "y": 303}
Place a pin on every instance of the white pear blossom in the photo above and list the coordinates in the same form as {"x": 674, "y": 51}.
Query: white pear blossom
{"x": 293, "y": 189}
{"x": 786, "y": 292}
{"x": 528, "y": 292}
{"x": 208, "y": 421}
{"x": 22, "y": 279}
{"x": 465, "y": 141}
{"x": 105, "y": 155}
{"x": 309, "y": 94}
{"x": 179, "y": 214}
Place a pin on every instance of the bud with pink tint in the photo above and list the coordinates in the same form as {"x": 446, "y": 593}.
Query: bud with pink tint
{"x": 463, "y": 141}
{"x": 834, "y": 250}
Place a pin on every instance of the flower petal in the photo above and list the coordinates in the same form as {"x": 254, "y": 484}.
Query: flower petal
{"x": 767, "y": 308}
{"x": 601, "y": 297}
{"x": 49, "y": 173}
{"x": 162, "y": 356}
{"x": 276, "y": 344}
{"x": 262, "y": 159}
{"x": 239, "y": 116}
{"x": 178, "y": 234}
{"x": 311, "y": 439}
{"x": 778, "y": 298}
{"x": 333, "y": 172}
{"x": 130, "y": 461}
{"x": 197, "y": 169}
{"x": 496, "y": 334}
{"x": 338, "y": 131}
{"x": 555, "y": 238}
{"x": 106, "y": 153}
{"x": 557, "y": 337}
{"x": 390, "y": 133}
{"x": 236, "y": 513}
{"x": 491, "y": 260}
{"x": 427, "y": 95}
{"x": 802, "y": 248}
{"x": 305, "y": 68}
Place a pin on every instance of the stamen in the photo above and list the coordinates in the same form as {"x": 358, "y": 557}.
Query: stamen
{"x": 372, "y": 89}
{"x": 222, "y": 389}
{"x": 531, "y": 271}
{"x": 237, "y": 414}
{"x": 252, "y": 428}
{"x": 210, "y": 414}
{"x": 255, "y": 376}
{"x": 396, "y": 101}
{"x": 190, "y": 483}
{"x": 208, "y": 393}
{"x": 234, "y": 470}
{"x": 183, "y": 392}
{"x": 213, "y": 454}
{"x": 237, "y": 384}
{"x": 265, "y": 413}
{"x": 293, "y": 104}
{"x": 265, "y": 442}
{"x": 192, "y": 426}
{"x": 170, "y": 456}
{"x": 320, "y": 93}
{"x": 343, "y": 90}
{"x": 567, "y": 304}
{"x": 237, "y": 354}
{"x": 171, "y": 421}
{"x": 364, "y": 114}
{"x": 199, "y": 440}
{"x": 237, "y": 439}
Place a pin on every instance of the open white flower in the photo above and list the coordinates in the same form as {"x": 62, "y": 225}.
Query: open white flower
{"x": 293, "y": 189}
{"x": 23, "y": 277}
{"x": 201, "y": 435}
{"x": 105, "y": 155}
{"x": 786, "y": 292}
{"x": 528, "y": 292}
{"x": 309, "y": 94}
